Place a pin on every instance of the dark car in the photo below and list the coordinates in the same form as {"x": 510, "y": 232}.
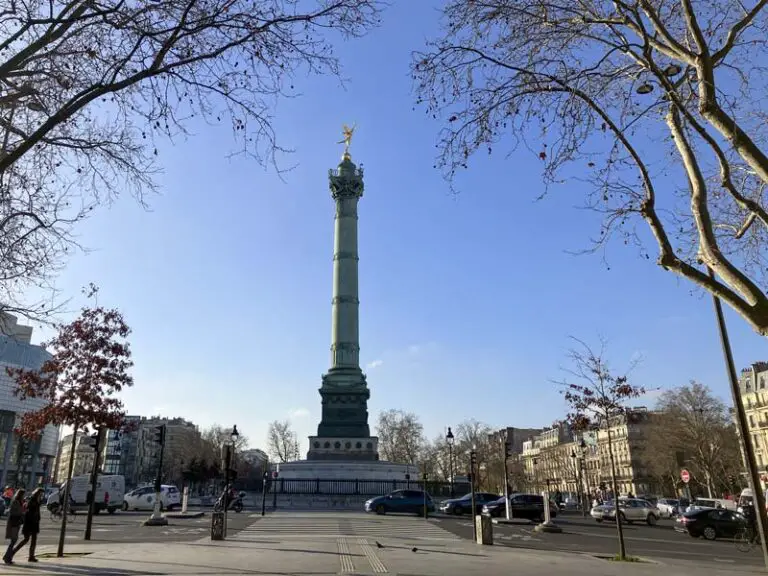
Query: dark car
{"x": 463, "y": 505}
{"x": 408, "y": 501}
{"x": 526, "y": 506}
{"x": 711, "y": 523}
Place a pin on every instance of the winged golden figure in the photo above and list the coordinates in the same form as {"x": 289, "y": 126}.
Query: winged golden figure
{"x": 347, "y": 140}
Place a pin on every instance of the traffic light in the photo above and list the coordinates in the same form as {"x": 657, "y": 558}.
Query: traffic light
{"x": 93, "y": 440}
{"x": 508, "y": 450}
{"x": 473, "y": 459}
{"x": 159, "y": 434}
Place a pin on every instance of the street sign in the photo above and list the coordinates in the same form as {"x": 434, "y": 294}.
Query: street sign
{"x": 685, "y": 476}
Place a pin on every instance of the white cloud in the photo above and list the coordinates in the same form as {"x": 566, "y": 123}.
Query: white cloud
{"x": 414, "y": 349}
{"x": 299, "y": 413}
{"x": 374, "y": 364}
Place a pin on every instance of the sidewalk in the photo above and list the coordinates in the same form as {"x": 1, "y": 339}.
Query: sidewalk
{"x": 342, "y": 555}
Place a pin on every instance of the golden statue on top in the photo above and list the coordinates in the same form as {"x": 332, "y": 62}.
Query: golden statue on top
{"x": 347, "y": 140}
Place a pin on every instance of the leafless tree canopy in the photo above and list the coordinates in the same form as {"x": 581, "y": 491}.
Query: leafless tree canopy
{"x": 401, "y": 437}
{"x": 282, "y": 442}
{"x": 656, "y": 108}
{"x": 90, "y": 87}
{"x": 697, "y": 424}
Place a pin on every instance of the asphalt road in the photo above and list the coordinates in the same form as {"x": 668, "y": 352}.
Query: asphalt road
{"x": 586, "y": 535}
{"x": 125, "y": 527}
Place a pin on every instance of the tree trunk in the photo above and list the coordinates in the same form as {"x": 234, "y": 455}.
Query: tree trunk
{"x": 63, "y": 531}
{"x": 615, "y": 488}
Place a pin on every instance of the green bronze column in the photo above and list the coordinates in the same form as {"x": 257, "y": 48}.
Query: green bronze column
{"x": 343, "y": 433}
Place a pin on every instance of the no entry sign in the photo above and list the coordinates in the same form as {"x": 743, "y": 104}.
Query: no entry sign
{"x": 685, "y": 476}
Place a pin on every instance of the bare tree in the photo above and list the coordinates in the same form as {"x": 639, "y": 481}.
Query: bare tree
{"x": 698, "y": 425}
{"x": 656, "y": 109}
{"x": 91, "y": 88}
{"x": 472, "y": 434}
{"x": 597, "y": 398}
{"x": 282, "y": 441}
{"x": 401, "y": 436}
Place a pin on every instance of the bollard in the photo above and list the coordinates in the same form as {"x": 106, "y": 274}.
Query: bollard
{"x": 483, "y": 530}
{"x": 184, "y": 500}
{"x": 218, "y": 531}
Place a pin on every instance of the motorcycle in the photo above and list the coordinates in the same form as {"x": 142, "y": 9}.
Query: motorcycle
{"x": 235, "y": 504}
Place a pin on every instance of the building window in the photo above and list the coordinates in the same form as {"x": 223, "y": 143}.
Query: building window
{"x": 751, "y": 421}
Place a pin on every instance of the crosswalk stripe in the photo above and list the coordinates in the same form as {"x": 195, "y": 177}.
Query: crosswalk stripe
{"x": 327, "y": 527}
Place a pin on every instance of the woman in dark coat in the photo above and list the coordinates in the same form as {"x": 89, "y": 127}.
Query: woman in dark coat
{"x": 13, "y": 526}
{"x": 31, "y": 525}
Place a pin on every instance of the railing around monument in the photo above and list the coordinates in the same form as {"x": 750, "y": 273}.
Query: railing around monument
{"x": 363, "y": 487}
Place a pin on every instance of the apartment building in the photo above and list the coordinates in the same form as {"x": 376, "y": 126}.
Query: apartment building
{"x": 753, "y": 386}
{"x": 22, "y": 462}
{"x": 627, "y": 438}
{"x": 568, "y": 460}
{"x": 84, "y": 455}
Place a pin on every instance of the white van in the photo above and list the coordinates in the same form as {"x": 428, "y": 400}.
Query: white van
{"x": 702, "y": 503}
{"x": 110, "y": 491}
{"x": 746, "y": 497}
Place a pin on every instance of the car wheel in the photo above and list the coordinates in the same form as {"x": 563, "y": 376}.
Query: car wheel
{"x": 709, "y": 533}
{"x": 458, "y": 510}
{"x": 598, "y": 520}
{"x": 380, "y": 509}
{"x": 623, "y": 518}
{"x": 111, "y": 510}
{"x": 162, "y": 508}
{"x": 651, "y": 520}
{"x": 125, "y": 506}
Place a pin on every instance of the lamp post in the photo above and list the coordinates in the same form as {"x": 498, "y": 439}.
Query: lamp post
{"x": 741, "y": 422}
{"x": 505, "y": 454}
{"x": 229, "y": 448}
{"x": 472, "y": 464}
{"x": 449, "y": 439}
{"x": 579, "y": 466}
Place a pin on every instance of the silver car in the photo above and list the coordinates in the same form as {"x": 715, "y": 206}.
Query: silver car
{"x": 630, "y": 510}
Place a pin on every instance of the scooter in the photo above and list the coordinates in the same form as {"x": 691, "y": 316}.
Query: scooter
{"x": 236, "y": 504}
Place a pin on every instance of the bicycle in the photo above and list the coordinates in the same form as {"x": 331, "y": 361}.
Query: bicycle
{"x": 57, "y": 513}
{"x": 746, "y": 539}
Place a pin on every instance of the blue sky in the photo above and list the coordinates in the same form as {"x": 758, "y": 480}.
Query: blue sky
{"x": 467, "y": 301}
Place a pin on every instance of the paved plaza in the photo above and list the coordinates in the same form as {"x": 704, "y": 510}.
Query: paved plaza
{"x": 347, "y": 543}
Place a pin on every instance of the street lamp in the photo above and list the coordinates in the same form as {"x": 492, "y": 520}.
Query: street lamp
{"x": 578, "y": 462}
{"x": 449, "y": 439}
{"x": 229, "y": 448}
{"x": 472, "y": 464}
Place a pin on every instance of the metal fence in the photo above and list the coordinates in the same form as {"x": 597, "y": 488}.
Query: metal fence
{"x": 362, "y": 487}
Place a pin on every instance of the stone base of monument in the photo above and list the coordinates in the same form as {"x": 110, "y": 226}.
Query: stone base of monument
{"x": 347, "y": 470}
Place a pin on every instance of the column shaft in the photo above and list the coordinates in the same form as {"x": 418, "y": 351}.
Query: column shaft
{"x": 345, "y": 338}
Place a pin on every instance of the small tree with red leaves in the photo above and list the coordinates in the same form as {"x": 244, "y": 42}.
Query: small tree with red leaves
{"x": 88, "y": 368}
{"x": 597, "y": 399}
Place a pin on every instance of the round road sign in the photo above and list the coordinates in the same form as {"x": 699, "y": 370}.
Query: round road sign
{"x": 685, "y": 476}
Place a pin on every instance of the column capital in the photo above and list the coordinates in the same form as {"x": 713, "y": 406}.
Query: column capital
{"x": 346, "y": 181}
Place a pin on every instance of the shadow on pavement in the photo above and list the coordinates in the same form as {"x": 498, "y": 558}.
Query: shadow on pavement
{"x": 431, "y": 551}
{"x": 82, "y": 570}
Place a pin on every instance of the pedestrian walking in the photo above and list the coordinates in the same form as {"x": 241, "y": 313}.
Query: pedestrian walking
{"x": 14, "y": 523}
{"x": 31, "y": 526}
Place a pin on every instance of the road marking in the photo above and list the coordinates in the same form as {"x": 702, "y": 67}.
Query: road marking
{"x": 346, "y": 558}
{"x": 373, "y": 559}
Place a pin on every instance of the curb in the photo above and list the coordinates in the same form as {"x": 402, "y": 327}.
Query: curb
{"x": 184, "y": 516}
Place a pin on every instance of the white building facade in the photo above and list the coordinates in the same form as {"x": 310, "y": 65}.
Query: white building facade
{"x": 22, "y": 462}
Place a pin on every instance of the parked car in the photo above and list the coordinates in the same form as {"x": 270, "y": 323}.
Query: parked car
{"x": 526, "y": 506}
{"x": 144, "y": 498}
{"x": 463, "y": 505}
{"x": 668, "y": 507}
{"x": 711, "y": 523}
{"x": 630, "y": 510}
{"x": 408, "y": 501}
